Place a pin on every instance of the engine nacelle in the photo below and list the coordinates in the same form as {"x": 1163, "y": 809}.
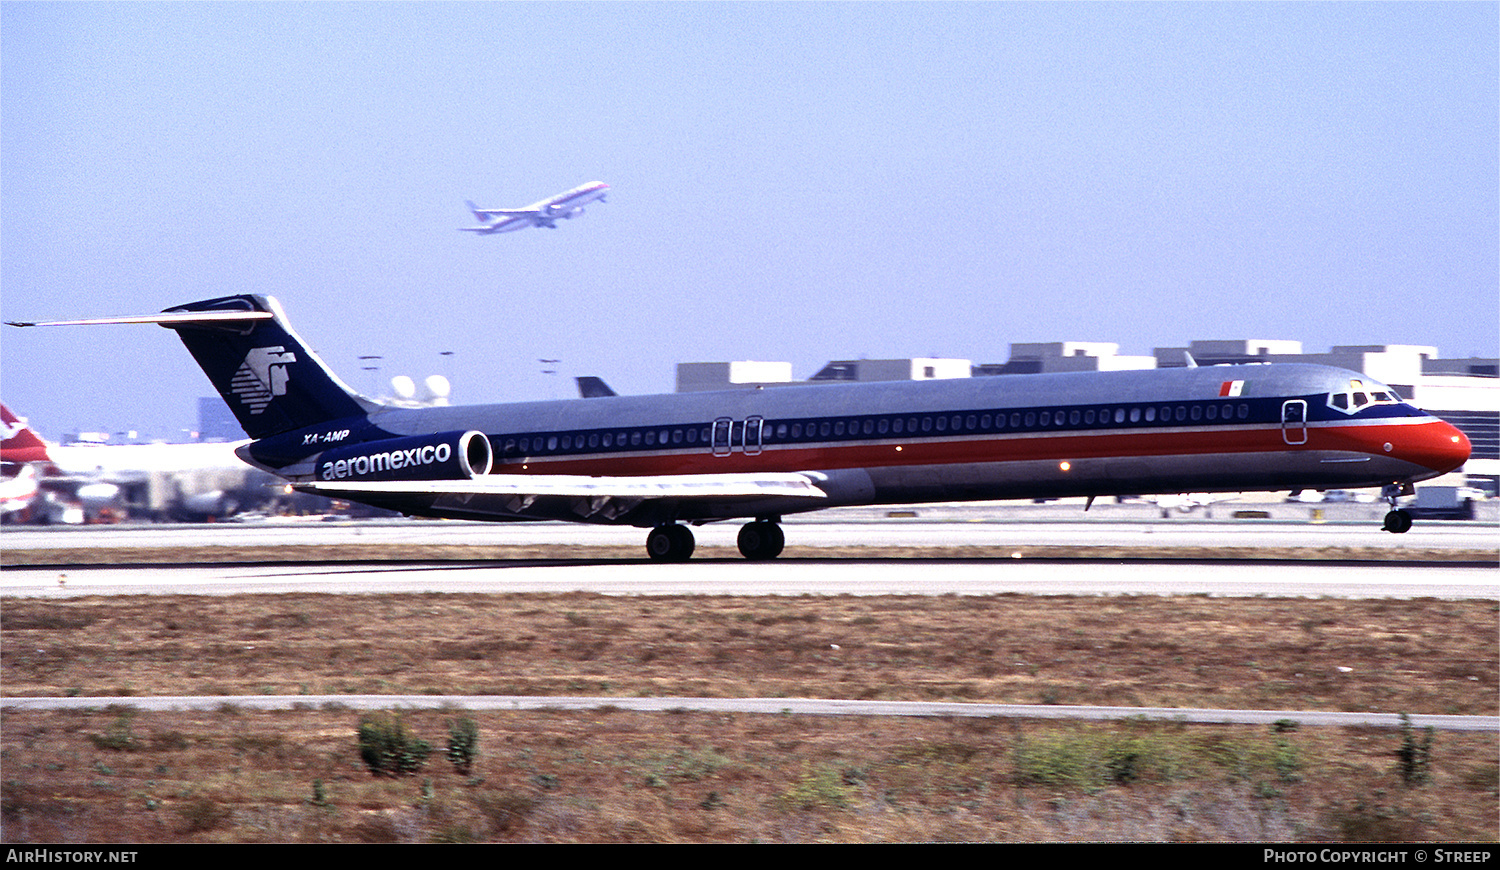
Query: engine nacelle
{"x": 444, "y": 456}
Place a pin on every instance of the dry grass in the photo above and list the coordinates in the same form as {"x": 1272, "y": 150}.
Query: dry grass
{"x": 1427, "y": 656}
{"x": 616, "y": 776}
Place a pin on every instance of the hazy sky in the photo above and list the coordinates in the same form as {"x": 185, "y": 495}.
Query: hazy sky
{"x": 789, "y": 181}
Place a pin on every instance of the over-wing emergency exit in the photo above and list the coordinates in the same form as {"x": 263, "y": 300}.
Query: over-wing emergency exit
{"x": 671, "y": 461}
{"x": 563, "y": 206}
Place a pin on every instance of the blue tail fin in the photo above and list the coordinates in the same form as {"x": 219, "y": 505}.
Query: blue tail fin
{"x": 266, "y": 374}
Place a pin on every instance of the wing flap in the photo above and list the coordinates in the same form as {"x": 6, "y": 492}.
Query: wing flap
{"x": 690, "y": 486}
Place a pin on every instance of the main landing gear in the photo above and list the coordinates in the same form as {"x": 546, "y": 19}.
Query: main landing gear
{"x": 670, "y": 543}
{"x": 1397, "y": 521}
{"x": 758, "y": 541}
{"x": 761, "y": 540}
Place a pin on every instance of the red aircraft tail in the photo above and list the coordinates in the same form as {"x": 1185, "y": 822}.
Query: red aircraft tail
{"x": 20, "y": 444}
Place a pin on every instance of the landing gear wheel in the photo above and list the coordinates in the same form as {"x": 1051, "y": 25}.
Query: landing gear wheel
{"x": 761, "y": 540}
{"x": 670, "y": 543}
{"x": 1397, "y": 522}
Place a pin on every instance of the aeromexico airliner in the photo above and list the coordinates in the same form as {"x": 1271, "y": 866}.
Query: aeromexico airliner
{"x": 668, "y": 462}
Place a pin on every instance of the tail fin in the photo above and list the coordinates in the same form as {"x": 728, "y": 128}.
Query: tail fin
{"x": 266, "y": 374}
{"x": 20, "y": 443}
{"x": 478, "y": 215}
{"x": 591, "y": 387}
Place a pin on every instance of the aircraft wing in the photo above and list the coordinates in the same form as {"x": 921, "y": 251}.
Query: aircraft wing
{"x": 706, "y": 486}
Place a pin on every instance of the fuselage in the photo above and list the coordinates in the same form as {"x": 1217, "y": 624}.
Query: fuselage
{"x": 1210, "y": 429}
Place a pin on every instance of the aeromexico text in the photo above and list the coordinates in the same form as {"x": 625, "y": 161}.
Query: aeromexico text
{"x": 441, "y": 456}
{"x": 391, "y": 460}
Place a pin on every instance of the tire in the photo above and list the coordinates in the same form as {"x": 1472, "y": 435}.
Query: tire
{"x": 761, "y": 540}
{"x": 670, "y": 543}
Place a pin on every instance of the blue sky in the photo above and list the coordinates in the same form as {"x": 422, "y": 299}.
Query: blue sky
{"x": 789, "y": 181}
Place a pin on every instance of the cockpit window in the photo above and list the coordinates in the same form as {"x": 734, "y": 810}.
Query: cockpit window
{"x": 1358, "y": 396}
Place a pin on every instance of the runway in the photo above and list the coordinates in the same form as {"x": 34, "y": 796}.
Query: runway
{"x": 783, "y": 577}
{"x": 943, "y": 550}
{"x": 1355, "y": 527}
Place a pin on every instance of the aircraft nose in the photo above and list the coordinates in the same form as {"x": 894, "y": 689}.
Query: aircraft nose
{"x": 1440, "y": 446}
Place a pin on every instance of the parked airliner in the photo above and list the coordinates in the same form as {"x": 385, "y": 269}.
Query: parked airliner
{"x": 668, "y": 462}
{"x": 564, "y": 206}
{"x": 97, "y": 481}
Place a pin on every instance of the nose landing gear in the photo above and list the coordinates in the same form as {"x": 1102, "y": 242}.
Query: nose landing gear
{"x": 1398, "y": 521}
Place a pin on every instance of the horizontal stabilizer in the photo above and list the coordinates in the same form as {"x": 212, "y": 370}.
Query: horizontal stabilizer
{"x": 181, "y": 318}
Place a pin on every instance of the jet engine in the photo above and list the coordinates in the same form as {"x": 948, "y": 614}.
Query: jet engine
{"x": 443, "y": 456}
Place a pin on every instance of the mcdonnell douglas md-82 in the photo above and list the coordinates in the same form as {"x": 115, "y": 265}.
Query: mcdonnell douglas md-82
{"x": 564, "y": 206}
{"x": 671, "y": 461}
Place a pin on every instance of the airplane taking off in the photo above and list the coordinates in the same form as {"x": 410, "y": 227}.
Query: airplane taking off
{"x": 663, "y": 462}
{"x": 564, "y": 206}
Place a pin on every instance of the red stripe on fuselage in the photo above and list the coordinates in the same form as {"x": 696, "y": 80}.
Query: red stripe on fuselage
{"x": 1365, "y": 438}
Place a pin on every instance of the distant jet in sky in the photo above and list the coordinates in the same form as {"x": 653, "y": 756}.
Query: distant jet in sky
{"x": 539, "y": 214}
